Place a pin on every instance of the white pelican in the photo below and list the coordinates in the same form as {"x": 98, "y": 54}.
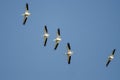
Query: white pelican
{"x": 26, "y": 14}
{"x": 110, "y": 58}
{"x": 69, "y": 52}
{"x": 58, "y": 39}
{"x": 46, "y": 35}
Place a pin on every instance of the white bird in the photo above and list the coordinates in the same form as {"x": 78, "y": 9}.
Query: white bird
{"x": 69, "y": 52}
{"x": 46, "y": 35}
{"x": 26, "y": 14}
{"x": 57, "y": 39}
{"x": 110, "y": 58}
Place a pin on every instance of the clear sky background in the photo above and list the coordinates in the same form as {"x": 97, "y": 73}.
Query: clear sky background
{"x": 91, "y": 26}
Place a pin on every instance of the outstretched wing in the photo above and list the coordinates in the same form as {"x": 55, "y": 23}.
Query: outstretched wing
{"x": 45, "y": 29}
{"x": 68, "y": 46}
{"x": 108, "y": 62}
{"x": 24, "y": 21}
{"x": 58, "y": 32}
{"x": 56, "y": 45}
{"x": 69, "y": 59}
{"x": 45, "y": 41}
{"x": 113, "y": 52}
{"x": 27, "y": 8}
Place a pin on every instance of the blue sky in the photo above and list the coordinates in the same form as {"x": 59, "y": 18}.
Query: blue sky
{"x": 91, "y": 26}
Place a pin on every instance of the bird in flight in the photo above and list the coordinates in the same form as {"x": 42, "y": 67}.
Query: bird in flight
{"x": 26, "y": 14}
{"x": 57, "y": 39}
{"x": 46, "y": 35}
{"x": 110, "y": 58}
{"x": 69, "y": 52}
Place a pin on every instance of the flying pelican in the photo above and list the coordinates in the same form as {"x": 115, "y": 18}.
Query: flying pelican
{"x": 46, "y": 35}
{"x": 69, "y": 52}
{"x": 26, "y": 14}
{"x": 58, "y": 39}
{"x": 110, "y": 58}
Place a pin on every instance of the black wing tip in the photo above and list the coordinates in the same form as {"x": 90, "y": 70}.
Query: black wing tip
{"x": 58, "y": 31}
{"x": 68, "y": 44}
{"x": 45, "y": 28}
{"x": 113, "y": 51}
{"x": 45, "y": 42}
{"x": 27, "y": 6}
{"x": 107, "y": 63}
{"x": 45, "y": 25}
{"x": 44, "y": 45}
{"x": 56, "y": 46}
{"x": 69, "y": 60}
{"x": 25, "y": 21}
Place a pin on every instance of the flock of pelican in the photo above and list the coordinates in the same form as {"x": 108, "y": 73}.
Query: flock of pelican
{"x": 46, "y": 35}
{"x": 58, "y": 39}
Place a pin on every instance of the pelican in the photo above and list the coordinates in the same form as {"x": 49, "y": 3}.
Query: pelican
{"x": 69, "y": 52}
{"x": 58, "y": 39}
{"x": 46, "y": 35}
{"x": 26, "y": 14}
{"x": 110, "y": 58}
